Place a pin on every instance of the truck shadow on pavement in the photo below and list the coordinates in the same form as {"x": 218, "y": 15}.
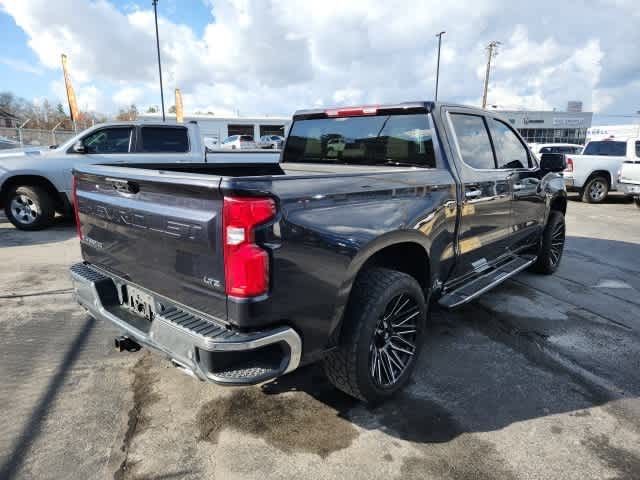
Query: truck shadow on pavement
{"x": 614, "y": 198}
{"x": 473, "y": 388}
{"x": 32, "y": 428}
{"x": 62, "y": 229}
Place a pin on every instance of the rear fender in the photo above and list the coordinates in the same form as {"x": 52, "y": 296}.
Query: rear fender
{"x": 361, "y": 258}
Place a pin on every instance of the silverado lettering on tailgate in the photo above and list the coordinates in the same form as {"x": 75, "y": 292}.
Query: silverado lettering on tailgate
{"x": 135, "y": 219}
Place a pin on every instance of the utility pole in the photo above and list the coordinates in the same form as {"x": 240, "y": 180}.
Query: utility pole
{"x": 493, "y": 45}
{"x": 439, "y": 35}
{"x": 155, "y": 12}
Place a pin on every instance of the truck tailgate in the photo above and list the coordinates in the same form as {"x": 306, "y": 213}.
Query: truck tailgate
{"x": 159, "y": 230}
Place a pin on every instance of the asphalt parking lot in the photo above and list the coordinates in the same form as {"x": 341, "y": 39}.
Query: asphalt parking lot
{"x": 538, "y": 379}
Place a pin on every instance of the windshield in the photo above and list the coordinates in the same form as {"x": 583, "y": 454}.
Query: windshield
{"x": 371, "y": 140}
{"x": 607, "y": 148}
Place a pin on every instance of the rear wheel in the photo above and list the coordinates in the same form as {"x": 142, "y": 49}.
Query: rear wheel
{"x": 29, "y": 207}
{"x": 596, "y": 190}
{"x": 552, "y": 245}
{"x": 381, "y": 337}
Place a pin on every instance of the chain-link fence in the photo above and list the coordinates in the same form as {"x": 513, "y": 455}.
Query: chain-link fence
{"x": 29, "y": 137}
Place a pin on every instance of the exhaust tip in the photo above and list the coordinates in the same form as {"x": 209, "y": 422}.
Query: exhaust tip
{"x": 123, "y": 343}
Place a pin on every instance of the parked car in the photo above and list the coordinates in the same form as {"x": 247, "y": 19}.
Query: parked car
{"x": 594, "y": 173}
{"x": 35, "y": 184}
{"x": 271, "y": 141}
{"x": 568, "y": 148}
{"x": 238, "y": 142}
{"x": 7, "y": 143}
{"x": 211, "y": 143}
{"x": 242, "y": 273}
{"x": 629, "y": 177}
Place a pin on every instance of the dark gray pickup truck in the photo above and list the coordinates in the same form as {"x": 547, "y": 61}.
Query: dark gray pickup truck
{"x": 242, "y": 273}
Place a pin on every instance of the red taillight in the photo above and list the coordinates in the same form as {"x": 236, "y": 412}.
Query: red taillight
{"x": 246, "y": 265}
{"x": 352, "y": 111}
{"x": 74, "y": 199}
{"x": 569, "y": 165}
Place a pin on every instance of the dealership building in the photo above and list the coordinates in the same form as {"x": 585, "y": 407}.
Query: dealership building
{"x": 549, "y": 126}
{"x": 219, "y": 128}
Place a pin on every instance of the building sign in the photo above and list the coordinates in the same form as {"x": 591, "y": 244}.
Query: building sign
{"x": 568, "y": 122}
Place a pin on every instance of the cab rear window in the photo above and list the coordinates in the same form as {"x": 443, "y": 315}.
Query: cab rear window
{"x": 606, "y": 148}
{"x": 401, "y": 140}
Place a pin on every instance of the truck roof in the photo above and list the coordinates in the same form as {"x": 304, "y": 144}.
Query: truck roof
{"x": 362, "y": 109}
{"x": 142, "y": 122}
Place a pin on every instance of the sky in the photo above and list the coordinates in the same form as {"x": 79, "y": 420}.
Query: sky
{"x": 257, "y": 57}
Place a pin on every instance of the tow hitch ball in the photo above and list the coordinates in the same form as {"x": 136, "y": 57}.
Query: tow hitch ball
{"x": 123, "y": 343}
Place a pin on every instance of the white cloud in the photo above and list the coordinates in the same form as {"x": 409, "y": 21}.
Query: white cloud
{"x": 128, "y": 96}
{"x": 276, "y": 56}
{"x": 21, "y": 66}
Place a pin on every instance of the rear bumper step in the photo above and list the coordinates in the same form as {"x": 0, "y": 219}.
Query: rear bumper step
{"x": 202, "y": 347}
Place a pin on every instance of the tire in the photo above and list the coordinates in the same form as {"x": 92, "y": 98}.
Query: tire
{"x": 636, "y": 201}
{"x": 358, "y": 365}
{"x": 552, "y": 245}
{"x": 29, "y": 207}
{"x": 596, "y": 190}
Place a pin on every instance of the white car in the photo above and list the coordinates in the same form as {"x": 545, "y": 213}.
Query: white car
{"x": 566, "y": 148}
{"x": 271, "y": 141}
{"x": 211, "y": 143}
{"x": 238, "y": 142}
{"x": 629, "y": 177}
{"x": 594, "y": 173}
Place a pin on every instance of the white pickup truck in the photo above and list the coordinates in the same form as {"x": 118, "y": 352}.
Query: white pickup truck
{"x": 34, "y": 185}
{"x": 595, "y": 173}
{"x": 629, "y": 178}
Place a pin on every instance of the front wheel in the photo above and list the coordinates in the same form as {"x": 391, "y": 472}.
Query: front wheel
{"x": 29, "y": 207}
{"x": 381, "y": 337}
{"x": 552, "y": 245}
{"x": 636, "y": 201}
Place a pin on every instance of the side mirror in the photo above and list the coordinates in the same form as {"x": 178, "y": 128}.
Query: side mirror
{"x": 553, "y": 162}
{"x": 53, "y": 147}
{"x": 79, "y": 147}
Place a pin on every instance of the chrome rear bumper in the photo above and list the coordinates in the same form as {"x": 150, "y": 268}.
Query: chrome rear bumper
{"x": 192, "y": 342}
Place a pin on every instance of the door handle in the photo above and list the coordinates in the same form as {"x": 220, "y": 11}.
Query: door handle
{"x": 518, "y": 186}
{"x": 472, "y": 193}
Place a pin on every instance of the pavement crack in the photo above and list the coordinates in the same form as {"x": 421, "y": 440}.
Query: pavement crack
{"x": 62, "y": 291}
{"x": 143, "y": 397}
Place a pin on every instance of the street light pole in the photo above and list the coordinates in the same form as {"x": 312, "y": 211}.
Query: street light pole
{"x": 490, "y": 48}
{"x": 439, "y": 35}
{"x": 155, "y": 12}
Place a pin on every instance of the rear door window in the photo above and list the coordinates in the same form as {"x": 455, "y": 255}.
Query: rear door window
{"x": 606, "y": 148}
{"x": 473, "y": 140}
{"x": 164, "y": 139}
{"x": 510, "y": 151}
